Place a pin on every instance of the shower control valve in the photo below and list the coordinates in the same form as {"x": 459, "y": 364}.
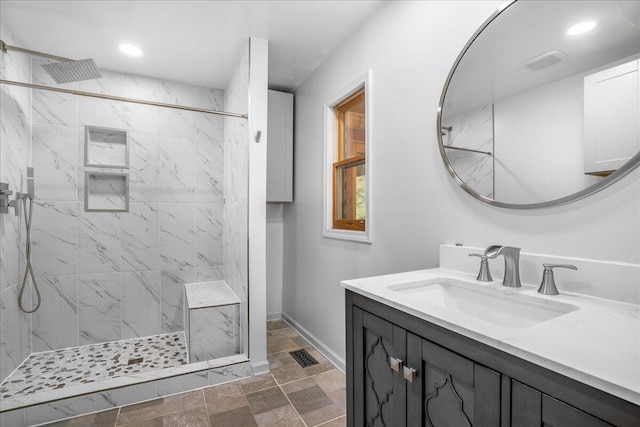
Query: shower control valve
{"x": 4, "y": 197}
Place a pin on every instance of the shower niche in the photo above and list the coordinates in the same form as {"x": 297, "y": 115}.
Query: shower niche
{"x": 106, "y": 192}
{"x": 106, "y": 147}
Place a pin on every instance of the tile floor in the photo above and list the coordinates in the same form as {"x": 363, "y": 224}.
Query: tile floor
{"x": 51, "y": 370}
{"x": 289, "y": 396}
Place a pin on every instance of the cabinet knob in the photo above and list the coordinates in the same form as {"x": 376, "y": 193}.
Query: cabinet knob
{"x": 409, "y": 374}
{"x": 395, "y": 364}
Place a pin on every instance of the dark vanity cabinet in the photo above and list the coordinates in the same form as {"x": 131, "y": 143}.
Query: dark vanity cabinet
{"x": 404, "y": 371}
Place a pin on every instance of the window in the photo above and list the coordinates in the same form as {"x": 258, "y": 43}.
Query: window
{"x": 347, "y": 181}
{"x": 349, "y": 171}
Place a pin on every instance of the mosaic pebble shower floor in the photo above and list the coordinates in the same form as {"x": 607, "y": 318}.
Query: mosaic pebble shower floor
{"x": 66, "y": 367}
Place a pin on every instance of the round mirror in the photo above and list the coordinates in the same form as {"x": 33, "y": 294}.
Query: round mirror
{"x": 542, "y": 106}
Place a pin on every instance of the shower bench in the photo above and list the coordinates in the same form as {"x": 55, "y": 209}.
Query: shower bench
{"x": 212, "y": 320}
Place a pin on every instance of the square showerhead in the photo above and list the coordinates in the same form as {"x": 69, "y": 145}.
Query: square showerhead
{"x": 72, "y": 71}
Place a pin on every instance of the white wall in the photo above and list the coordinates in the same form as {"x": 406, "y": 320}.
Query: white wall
{"x": 411, "y": 46}
{"x": 539, "y": 154}
{"x": 275, "y": 235}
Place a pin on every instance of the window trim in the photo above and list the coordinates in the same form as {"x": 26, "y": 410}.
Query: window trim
{"x": 331, "y": 154}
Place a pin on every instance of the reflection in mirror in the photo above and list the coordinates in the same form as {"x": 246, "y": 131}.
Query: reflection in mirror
{"x": 544, "y": 103}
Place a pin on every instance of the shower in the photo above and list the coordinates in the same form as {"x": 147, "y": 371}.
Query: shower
{"x": 105, "y": 270}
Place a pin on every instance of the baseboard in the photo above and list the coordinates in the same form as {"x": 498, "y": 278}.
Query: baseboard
{"x": 329, "y": 354}
{"x": 259, "y": 368}
{"x": 274, "y": 316}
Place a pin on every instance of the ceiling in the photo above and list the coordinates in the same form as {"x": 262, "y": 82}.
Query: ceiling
{"x": 493, "y": 67}
{"x": 196, "y": 42}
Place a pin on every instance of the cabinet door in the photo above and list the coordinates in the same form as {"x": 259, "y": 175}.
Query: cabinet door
{"x": 611, "y": 117}
{"x": 449, "y": 390}
{"x": 378, "y": 392}
{"x": 280, "y": 147}
{"x": 530, "y": 408}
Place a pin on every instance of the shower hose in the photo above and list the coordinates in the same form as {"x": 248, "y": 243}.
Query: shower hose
{"x": 28, "y": 270}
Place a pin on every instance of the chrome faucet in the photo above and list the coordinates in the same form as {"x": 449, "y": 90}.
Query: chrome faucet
{"x": 511, "y": 263}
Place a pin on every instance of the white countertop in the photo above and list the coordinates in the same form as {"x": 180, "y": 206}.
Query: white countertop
{"x": 598, "y": 344}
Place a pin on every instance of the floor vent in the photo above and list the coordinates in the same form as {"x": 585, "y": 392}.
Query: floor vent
{"x": 135, "y": 360}
{"x": 303, "y": 358}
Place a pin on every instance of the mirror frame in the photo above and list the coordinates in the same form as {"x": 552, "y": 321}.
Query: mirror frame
{"x": 614, "y": 177}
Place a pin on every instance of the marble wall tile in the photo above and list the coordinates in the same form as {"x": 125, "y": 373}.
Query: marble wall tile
{"x": 59, "y": 410}
{"x": 101, "y": 112}
{"x": 55, "y": 162}
{"x": 206, "y": 274}
{"x": 209, "y": 235}
{"x": 210, "y": 98}
{"x": 52, "y": 107}
{"x": 99, "y": 307}
{"x": 480, "y": 175}
{"x": 210, "y": 126}
{"x": 141, "y": 118}
{"x": 178, "y": 122}
{"x": 177, "y": 235}
{"x": 140, "y": 237}
{"x": 472, "y": 129}
{"x": 210, "y": 171}
{"x": 55, "y": 238}
{"x": 144, "y": 171}
{"x": 182, "y": 383}
{"x": 125, "y": 396}
{"x": 229, "y": 373}
{"x": 11, "y": 260}
{"x": 235, "y": 254}
{"x": 177, "y": 169}
{"x": 55, "y": 323}
{"x": 55, "y": 108}
{"x": 14, "y": 332}
{"x": 140, "y": 303}
{"x": 125, "y": 85}
{"x": 99, "y": 243}
{"x": 15, "y": 137}
{"x": 236, "y": 160}
{"x": 172, "y": 292}
{"x": 212, "y": 332}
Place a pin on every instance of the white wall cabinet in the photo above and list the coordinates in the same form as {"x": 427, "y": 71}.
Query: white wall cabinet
{"x": 280, "y": 148}
{"x": 611, "y": 117}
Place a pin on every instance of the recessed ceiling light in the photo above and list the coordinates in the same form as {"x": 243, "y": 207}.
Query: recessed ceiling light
{"x": 129, "y": 49}
{"x": 581, "y": 28}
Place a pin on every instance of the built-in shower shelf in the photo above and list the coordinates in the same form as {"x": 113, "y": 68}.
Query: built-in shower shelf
{"x": 212, "y": 320}
{"x": 106, "y": 147}
{"x": 106, "y": 192}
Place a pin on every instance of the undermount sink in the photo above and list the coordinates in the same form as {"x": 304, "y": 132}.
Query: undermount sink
{"x": 502, "y": 307}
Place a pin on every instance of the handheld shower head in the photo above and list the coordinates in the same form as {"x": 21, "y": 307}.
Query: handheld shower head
{"x": 30, "y": 182}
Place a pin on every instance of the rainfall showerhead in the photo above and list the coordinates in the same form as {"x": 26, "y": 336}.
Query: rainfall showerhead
{"x": 72, "y": 71}
{"x": 65, "y": 70}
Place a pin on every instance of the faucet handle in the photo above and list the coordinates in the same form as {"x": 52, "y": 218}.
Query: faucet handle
{"x": 484, "y": 275}
{"x": 548, "y": 285}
